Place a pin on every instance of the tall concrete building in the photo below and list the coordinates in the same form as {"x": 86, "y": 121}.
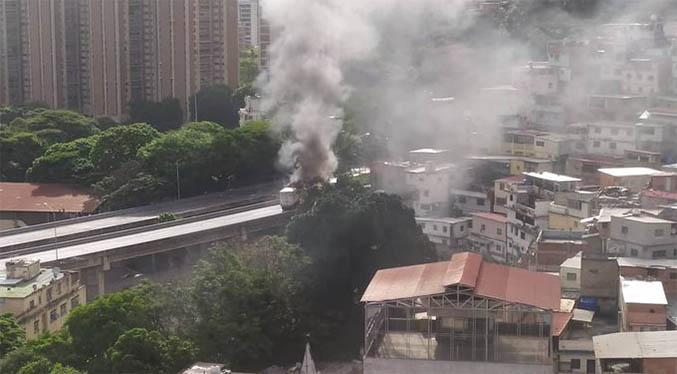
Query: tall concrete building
{"x": 95, "y": 56}
{"x": 254, "y": 30}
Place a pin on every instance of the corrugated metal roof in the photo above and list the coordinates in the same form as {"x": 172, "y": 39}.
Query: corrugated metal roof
{"x": 463, "y": 269}
{"x": 583, "y": 315}
{"x": 406, "y": 282}
{"x": 648, "y": 344}
{"x": 45, "y": 197}
{"x": 642, "y": 292}
{"x": 519, "y": 286}
{"x": 560, "y": 320}
{"x": 494, "y": 281}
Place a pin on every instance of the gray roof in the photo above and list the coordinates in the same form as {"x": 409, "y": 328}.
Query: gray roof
{"x": 647, "y": 344}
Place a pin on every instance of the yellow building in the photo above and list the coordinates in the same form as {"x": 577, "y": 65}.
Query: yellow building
{"x": 40, "y": 299}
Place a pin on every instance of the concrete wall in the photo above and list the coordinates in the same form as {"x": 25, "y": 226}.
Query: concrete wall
{"x": 570, "y": 284}
{"x": 659, "y": 365}
{"x": 395, "y": 366}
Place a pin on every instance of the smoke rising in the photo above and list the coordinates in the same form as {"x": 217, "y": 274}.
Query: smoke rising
{"x": 305, "y": 87}
{"x": 385, "y": 60}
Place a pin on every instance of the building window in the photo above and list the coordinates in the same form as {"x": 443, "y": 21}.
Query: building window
{"x": 483, "y": 227}
{"x": 511, "y": 198}
{"x": 575, "y": 363}
{"x": 31, "y": 304}
{"x": 624, "y": 229}
{"x": 674, "y": 253}
{"x": 461, "y": 199}
{"x": 58, "y": 288}
{"x": 426, "y": 193}
{"x": 540, "y": 143}
{"x": 659, "y": 232}
{"x": 36, "y": 326}
{"x": 422, "y": 224}
{"x": 634, "y": 252}
{"x": 434, "y": 227}
{"x": 597, "y": 130}
{"x": 480, "y": 202}
{"x": 499, "y": 231}
{"x": 461, "y": 228}
{"x": 75, "y": 302}
{"x": 673, "y": 275}
{"x": 659, "y": 254}
{"x": 522, "y": 235}
{"x": 571, "y": 276}
{"x": 53, "y": 316}
{"x": 612, "y": 145}
{"x": 63, "y": 310}
{"x": 614, "y": 131}
{"x": 49, "y": 294}
{"x": 595, "y": 144}
{"x": 444, "y": 229}
{"x": 652, "y": 272}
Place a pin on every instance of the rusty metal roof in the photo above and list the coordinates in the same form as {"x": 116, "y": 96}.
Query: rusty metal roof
{"x": 560, "y": 320}
{"x": 45, "y": 197}
{"x": 406, "y": 282}
{"x": 518, "y": 285}
{"x": 489, "y": 280}
{"x": 463, "y": 269}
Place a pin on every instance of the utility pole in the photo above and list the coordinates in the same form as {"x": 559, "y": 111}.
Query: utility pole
{"x": 56, "y": 238}
{"x": 178, "y": 182}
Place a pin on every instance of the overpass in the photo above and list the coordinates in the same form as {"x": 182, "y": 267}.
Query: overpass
{"x": 94, "y": 255}
{"x": 81, "y": 227}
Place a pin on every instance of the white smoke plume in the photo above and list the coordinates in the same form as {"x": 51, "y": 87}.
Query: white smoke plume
{"x": 316, "y": 42}
{"x": 305, "y": 87}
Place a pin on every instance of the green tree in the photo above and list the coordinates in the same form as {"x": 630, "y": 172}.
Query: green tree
{"x": 39, "y": 366}
{"x": 350, "y": 232}
{"x": 258, "y": 148}
{"x": 13, "y": 361}
{"x": 141, "y": 351}
{"x": 164, "y": 115}
{"x": 215, "y": 104}
{"x": 56, "y": 126}
{"x": 249, "y": 303}
{"x": 105, "y": 123}
{"x": 138, "y": 351}
{"x": 65, "y": 163}
{"x": 60, "y": 369}
{"x": 56, "y": 347}
{"x": 120, "y": 144}
{"x": 186, "y": 150}
{"x": 121, "y": 192}
{"x": 96, "y": 326}
{"x": 18, "y": 149}
{"x": 12, "y": 335}
{"x": 249, "y": 66}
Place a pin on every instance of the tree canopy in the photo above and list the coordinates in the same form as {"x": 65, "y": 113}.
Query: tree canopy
{"x": 215, "y": 104}
{"x": 12, "y": 335}
{"x": 249, "y": 303}
{"x": 349, "y": 232}
{"x": 164, "y": 115}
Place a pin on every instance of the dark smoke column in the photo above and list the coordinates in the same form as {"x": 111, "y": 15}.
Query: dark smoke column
{"x": 305, "y": 86}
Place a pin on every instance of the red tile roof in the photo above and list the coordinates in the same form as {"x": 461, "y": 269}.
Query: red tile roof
{"x": 491, "y": 216}
{"x": 45, "y": 197}
{"x": 660, "y": 194}
{"x": 489, "y": 280}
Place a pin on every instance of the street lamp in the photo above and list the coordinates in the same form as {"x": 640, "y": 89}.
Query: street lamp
{"x": 56, "y": 239}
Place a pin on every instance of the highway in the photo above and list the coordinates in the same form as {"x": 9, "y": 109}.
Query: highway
{"x": 114, "y": 221}
{"x": 151, "y": 235}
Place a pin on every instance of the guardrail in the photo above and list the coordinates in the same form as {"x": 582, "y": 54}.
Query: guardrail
{"x": 250, "y": 205}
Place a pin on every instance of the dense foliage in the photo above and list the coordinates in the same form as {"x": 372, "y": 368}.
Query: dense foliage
{"x": 134, "y": 164}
